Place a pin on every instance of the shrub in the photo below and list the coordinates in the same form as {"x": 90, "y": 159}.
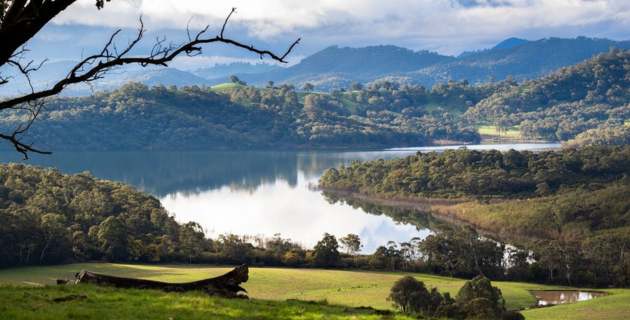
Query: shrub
{"x": 512, "y": 315}
{"x": 478, "y": 299}
{"x": 410, "y": 295}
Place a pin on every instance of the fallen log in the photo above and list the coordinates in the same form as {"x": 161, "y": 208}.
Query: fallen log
{"x": 226, "y": 285}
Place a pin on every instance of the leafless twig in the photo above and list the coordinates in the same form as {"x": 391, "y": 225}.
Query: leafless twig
{"x": 95, "y": 66}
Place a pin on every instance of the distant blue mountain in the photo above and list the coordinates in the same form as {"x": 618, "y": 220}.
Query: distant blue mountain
{"x": 367, "y": 61}
{"x": 521, "y": 59}
{"x": 527, "y": 60}
{"x": 53, "y": 72}
{"x": 510, "y": 43}
{"x": 337, "y": 67}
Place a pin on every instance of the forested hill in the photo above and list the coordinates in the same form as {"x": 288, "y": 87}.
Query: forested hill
{"x": 570, "y": 206}
{"x": 234, "y": 116}
{"x": 47, "y": 217}
{"x": 469, "y": 173}
{"x": 592, "y": 94}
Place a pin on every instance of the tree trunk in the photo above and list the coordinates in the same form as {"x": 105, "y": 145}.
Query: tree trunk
{"x": 42, "y": 255}
{"x": 227, "y": 285}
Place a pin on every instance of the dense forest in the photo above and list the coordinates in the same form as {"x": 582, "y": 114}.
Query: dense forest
{"x": 592, "y": 94}
{"x": 48, "y": 217}
{"x": 470, "y": 173}
{"x": 136, "y": 117}
{"x": 617, "y": 135}
{"x": 568, "y": 209}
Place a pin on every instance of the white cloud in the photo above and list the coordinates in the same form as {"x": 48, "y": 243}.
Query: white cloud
{"x": 272, "y": 208}
{"x": 447, "y": 25}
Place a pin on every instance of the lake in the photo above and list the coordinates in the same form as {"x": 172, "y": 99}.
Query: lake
{"x": 251, "y": 193}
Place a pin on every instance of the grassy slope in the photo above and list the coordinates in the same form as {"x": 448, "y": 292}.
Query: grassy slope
{"x": 108, "y": 303}
{"x": 349, "y": 288}
{"x": 531, "y": 217}
{"x": 225, "y": 86}
{"x": 353, "y": 288}
{"x": 493, "y": 131}
{"x": 615, "y": 306}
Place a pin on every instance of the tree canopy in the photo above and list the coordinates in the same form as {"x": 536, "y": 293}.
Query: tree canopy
{"x": 137, "y": 117}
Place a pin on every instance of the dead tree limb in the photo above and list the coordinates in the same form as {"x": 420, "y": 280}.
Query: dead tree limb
{"x": 20, "y": 20}
{"x": 226, "y": 285}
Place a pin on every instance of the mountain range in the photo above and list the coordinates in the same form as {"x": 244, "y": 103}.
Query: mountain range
{"x": 337, "y": 67}
{"x": 518, "y": 58}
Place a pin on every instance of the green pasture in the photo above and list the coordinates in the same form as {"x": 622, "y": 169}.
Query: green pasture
{"x": 271, "y": 286}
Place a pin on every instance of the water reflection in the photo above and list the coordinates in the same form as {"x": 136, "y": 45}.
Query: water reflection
{"x": 164, "y": 173}
{"x": 555, "y": 297}
{"x": 296, "y": 212}
{"x": 250, "y": 193}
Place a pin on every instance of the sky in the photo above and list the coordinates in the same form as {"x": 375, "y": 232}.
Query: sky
{"x": 446, "y": 26}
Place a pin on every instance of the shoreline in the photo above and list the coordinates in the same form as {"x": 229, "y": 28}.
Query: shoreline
{"x": 305, "y": 148}
{"x": 443, "y": 209}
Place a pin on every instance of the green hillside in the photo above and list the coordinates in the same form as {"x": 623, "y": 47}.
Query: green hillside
{"x": 88, "y": 302}
{"x": 568, "y": 208}
{"x": 222, "y": 87}
{"x": 235, "y": 116}
{"x": 592, "y": 94}
{"x": 352, "y": 288}
{"x": 343, "y": 288}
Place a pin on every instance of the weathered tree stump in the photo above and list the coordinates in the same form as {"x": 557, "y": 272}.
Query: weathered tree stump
{"x": 227, "y": 285}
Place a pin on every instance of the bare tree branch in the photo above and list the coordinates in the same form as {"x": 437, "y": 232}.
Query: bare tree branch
{"x": 95, "y": 66}
{"x": 20, "y": 146}
{"x": 226, "y": 21}
{"x": 105, "y": 60}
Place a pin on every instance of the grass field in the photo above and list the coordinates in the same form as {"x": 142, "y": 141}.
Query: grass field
{"x": 347, "y": 288}
{"x": 225, "y": 86}
{"x": 613, "y": 307}
{"x": 90, "y": 302}
{"x": 494, "y": 131}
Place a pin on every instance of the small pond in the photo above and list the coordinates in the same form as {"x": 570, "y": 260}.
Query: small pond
{"x": 554, "y": 297}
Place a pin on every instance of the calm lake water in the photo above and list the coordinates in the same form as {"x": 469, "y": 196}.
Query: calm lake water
{"x": 250, "y": 193}
{"x": 554, "y": 297}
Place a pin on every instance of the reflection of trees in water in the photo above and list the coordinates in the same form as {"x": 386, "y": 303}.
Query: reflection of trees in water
{"x": 163, "y": 173}
{"x": 419, "y": 219}
{"x": 313, "y": 164}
